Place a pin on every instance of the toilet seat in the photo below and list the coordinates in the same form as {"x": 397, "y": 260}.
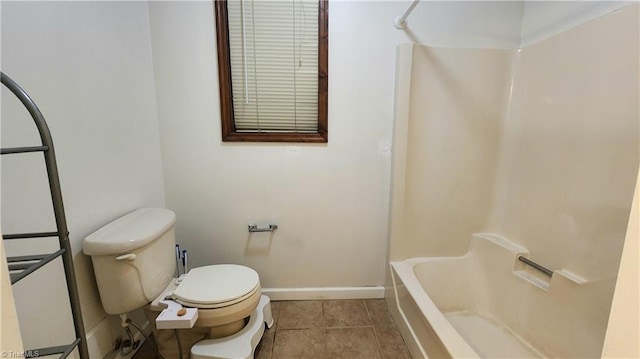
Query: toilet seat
{"x": 217, "y": 286}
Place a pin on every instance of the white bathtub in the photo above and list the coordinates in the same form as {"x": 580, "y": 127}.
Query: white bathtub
{"x": 487, "y": 304}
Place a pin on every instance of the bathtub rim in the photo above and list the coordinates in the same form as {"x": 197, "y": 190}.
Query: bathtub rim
{"x": 451, "y": 340}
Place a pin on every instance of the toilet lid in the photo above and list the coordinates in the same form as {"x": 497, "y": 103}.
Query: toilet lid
{"x": 217, "y": 286}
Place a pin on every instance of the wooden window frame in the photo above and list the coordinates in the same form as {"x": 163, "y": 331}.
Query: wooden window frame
{"x": 229, "y": 132}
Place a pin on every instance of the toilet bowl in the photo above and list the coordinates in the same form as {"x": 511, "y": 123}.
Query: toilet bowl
{"x": 225, "y": 295}
{"x": 240, "y": 345}
{"x": 134, "y": 263}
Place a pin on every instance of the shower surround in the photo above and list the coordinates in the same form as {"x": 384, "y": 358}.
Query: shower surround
{"x": 501, "y": 153}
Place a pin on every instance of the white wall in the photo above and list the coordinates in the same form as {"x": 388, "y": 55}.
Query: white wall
{"x": 497, "y": 24}
{"x": 88, "y": 67}
{"x": 330, "y": 201}
{"x": 543, "y": 19}
{"x": 467, "y": 24}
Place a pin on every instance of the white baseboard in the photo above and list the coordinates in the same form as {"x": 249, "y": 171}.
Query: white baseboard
{"x": 100, "y": 340}
{"x": 324, "y": 293}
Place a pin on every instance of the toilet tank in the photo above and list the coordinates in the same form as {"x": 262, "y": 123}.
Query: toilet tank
{"x": 133, "y": 258}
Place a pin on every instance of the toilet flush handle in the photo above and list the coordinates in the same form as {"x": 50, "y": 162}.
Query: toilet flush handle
{"x": 128, "y": 257}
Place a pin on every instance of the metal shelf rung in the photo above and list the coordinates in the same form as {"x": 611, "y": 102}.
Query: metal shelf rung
{"x": 30, "y": 258}
{"x": 23, "y": 262}
{"x": 29, "y": 235}
{"x": 65, "y": 350}
{"x": 12, "y": 150}
{"x": 15, "y": 277}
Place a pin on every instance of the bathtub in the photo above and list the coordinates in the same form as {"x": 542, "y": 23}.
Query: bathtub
{"x": 488, "y": 304}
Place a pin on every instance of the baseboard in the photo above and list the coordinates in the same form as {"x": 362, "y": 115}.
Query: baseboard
{"x": 316, "y": 293}
{"x": 100, "y": 340}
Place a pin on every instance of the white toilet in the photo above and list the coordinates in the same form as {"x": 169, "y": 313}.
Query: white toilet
{"x": 134, "y": 262}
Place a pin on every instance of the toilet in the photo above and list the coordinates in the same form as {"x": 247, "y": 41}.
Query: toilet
{"x": 134, "y": 263}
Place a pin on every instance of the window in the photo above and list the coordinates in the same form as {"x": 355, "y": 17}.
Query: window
{"x": 272, "y": 65}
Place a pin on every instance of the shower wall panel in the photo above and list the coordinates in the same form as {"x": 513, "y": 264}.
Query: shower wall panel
{"x": 570, "y": 156}
{"x": 457, "y": 108}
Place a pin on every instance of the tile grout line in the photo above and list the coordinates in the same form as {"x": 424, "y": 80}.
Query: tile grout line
{"x": 275, "y": 325}
{"x": 350, "y": 327}
{"x": 324, "y": 332}
{"x": 322, "y": 309}
{"x": 366, "y": 307}
{"x": 377, "y": 336}
{"x": 375, "y": 332}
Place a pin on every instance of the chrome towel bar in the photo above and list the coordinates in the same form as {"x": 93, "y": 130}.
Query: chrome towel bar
{"x": 535, "y": 265}
{"x": 254, "y": 228}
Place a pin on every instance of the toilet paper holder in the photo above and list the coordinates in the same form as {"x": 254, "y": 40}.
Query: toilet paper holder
{"x": 254, "y": 228}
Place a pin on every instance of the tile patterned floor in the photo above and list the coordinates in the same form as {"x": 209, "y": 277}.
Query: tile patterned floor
{"x": 332, "y": 329}
{"x": 328, "y": 329}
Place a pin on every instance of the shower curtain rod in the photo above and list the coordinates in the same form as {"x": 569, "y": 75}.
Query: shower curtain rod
{"x": 401, "y": 22}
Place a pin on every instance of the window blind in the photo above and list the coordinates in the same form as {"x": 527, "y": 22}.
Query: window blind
{"x": 274, "y": 64}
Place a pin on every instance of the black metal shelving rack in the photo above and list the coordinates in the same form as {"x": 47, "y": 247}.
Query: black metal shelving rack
{"x": 22, "y": 266}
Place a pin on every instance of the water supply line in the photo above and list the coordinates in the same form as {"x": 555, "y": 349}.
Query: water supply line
{"x": 178, "y": 260}
{"x": 185, "y": 266}
{"x": 181, "y": 261}
{"x": 125, "y": 321}
{"x": 124, "y": 348}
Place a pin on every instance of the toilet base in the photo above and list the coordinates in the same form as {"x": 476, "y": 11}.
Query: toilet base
{"x": 239, "y": 345}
